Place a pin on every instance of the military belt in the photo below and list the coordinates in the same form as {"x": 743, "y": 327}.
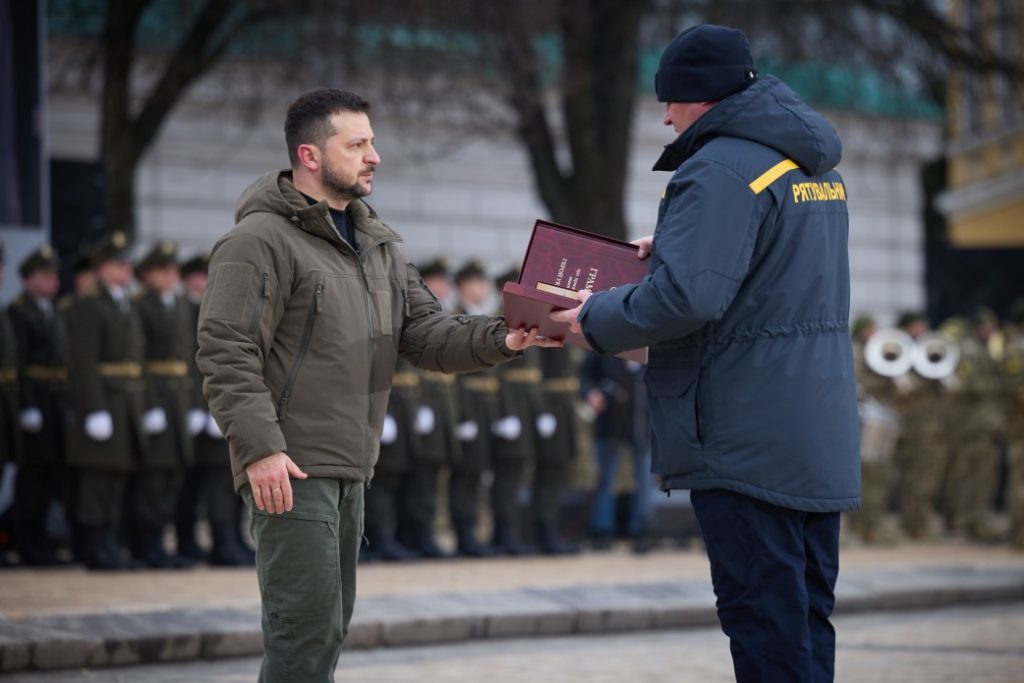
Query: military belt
{"x": 47, "y": 373}
{"x": 522, "y": 375}
{"x": 405, "y": 379}
{"x": 8, "y": 375}
{"x": 119, "y": 370}
{"x": 439, "y": 377}
{"x": 563, "y": 384}
{"x": 489, "y": 385}
{"x": 167, "y": 368}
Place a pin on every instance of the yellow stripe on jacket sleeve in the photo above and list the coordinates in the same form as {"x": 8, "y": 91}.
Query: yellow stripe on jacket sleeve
{"x": 771, "y": 175}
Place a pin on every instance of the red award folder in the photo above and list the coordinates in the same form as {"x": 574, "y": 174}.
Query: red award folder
{"x": 559, "y": 262}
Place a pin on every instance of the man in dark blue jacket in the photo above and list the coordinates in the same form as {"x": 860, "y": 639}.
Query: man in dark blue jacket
{"x": 750, "y": 376}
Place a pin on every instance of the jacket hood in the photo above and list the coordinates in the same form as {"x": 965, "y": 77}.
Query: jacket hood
{"x": 769, "y": 113}
{"x": 275, "y": 193}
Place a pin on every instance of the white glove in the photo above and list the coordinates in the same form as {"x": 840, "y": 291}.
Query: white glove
{"x": 508, "y": 428}
{"x": 99, "y": 425}
{"x": 390, "y": 431}
{"x": 424, "y": 420}
{"x": 213, "y": 429}
{"x": 154, "y": 421}
{"x": 467, "y": 431}
{"x": 31, "y": 420}
{"x": 196, "y": 420}
{"x": 546, "y": 425}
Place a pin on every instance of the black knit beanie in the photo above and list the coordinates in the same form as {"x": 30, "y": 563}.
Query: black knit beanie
{"x": 705, "y": 63}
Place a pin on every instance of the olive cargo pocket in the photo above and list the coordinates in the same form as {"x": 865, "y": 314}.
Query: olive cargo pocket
{"x": 298, "y": 562}
{"x": 676, "y": 439}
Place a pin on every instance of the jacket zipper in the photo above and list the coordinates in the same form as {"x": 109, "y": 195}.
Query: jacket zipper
{"x": 372, "y": 342}
{"x": 264, "y": 294}
{"x": 315, "y": 307}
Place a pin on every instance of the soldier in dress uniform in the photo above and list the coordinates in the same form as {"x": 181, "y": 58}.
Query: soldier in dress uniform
{"x": 434, "y": 426}
{"x": 42, "y": 371}
{"x": 520, "y": 404}
{"x": 208, "y": 482}
{"x": 878, "y": 398}
{"x": 477, "y": 412}
{"x": 106, "y": 438}
{"x": 169, "y": 339}
{"x": 398, "y": 441}
{"x": 977, "y": 432}
{"x": 83, "y": 275}
{"x": 557, "y": 445}
{"x": 1013, "y": 384}
{"x": 923, "y": 448}
{"x": 9, "y": 432}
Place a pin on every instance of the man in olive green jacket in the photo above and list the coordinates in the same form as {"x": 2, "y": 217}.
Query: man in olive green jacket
{"x": 310, "y": 303}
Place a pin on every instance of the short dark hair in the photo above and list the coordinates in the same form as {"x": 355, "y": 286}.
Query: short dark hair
{"x": 309, "y": 117}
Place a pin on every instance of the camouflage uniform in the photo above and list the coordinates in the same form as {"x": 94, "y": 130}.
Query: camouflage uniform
{"x": 922, "y": 450}
{"x": 876, "y": 467}
{"x": 1013, "y": 366}
{"x": 976, "y": 434}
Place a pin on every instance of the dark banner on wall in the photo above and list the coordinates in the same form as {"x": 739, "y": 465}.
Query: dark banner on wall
{"x": 21, "y": 120}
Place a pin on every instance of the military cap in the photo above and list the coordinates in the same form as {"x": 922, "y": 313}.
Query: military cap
{"x": 984, "y": 314}
{"x": 471, "y": 270}
{"x": 113, "y": 247}
{"x": 82, "y": 263}
{"x": 511, "y": 275}
{"x": 1016, "y": 314}
{"x": 861, "y": 323}
{"x": 165, "y": 253}
{"x": 439, "y": 266}
{"x": 200, "y": 263}
{"x": 908, "y": 317}
{"x": 42, "y": 258}
{"x": 954, "y": 327}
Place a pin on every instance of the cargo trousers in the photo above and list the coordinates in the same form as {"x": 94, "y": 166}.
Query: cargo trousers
{"x": 306, "y": 568}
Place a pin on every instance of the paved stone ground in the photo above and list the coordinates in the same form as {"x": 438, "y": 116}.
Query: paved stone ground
{"x": 73, "y": 619}
{"x": 976, "y": 645}
{"x": 67, "y": 591}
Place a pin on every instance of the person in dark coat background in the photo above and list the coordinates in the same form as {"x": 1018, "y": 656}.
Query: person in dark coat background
{"x": 745, "y": 311}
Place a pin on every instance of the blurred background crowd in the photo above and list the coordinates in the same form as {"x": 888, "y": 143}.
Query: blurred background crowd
{"x": 543, "y": 455}
{"x": 129, "y": 129}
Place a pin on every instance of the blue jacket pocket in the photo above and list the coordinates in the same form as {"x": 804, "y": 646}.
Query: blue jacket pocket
{"x": 674, "y": 406}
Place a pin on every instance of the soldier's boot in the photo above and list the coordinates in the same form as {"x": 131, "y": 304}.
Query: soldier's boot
{"x": 425, "y": 544}
{"x": 507, "y": 542}
{"x": 550, "y": 541}
{"x": 153, "y": 553}
{"x": 226, "y": 550}
{"x": 468, "y": 545}
{"x": 385, "y": 547}
{"x": 104, "y": 552}
{"x": 187, "y": 544}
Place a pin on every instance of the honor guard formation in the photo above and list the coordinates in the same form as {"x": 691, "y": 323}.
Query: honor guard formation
{"x": 119, "y": 464}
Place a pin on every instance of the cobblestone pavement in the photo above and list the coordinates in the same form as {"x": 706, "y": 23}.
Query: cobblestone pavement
{"x": 64, "y": 591}
{"x": 975, "y": 645}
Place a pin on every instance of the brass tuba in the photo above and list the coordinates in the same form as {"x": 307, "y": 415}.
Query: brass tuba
{"x": 890, "y": 352}
{"x": 935, "y": 356}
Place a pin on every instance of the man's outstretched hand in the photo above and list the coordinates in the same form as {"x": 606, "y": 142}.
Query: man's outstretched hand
{"x": 572, "y": 315}
{"x": 517, "y": 340}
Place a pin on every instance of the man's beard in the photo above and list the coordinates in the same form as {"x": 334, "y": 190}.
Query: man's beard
{"x": 334, "y": 184}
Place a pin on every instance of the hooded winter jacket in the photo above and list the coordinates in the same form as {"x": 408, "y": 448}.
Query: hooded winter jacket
{"x": 299, "y": 333}
{"x": 746, "y": 308}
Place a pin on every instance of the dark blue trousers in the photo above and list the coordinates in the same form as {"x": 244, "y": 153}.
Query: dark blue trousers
{"x": 774, "y": 572}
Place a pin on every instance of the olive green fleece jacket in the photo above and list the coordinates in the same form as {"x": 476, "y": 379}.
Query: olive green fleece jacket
{"x": 299, "y": 333}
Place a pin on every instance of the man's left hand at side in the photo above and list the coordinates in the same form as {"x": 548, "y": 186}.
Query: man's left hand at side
{"x": 572, "y": 315}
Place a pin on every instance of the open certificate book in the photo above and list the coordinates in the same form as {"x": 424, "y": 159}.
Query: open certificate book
{"x": 559, "y": 262}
